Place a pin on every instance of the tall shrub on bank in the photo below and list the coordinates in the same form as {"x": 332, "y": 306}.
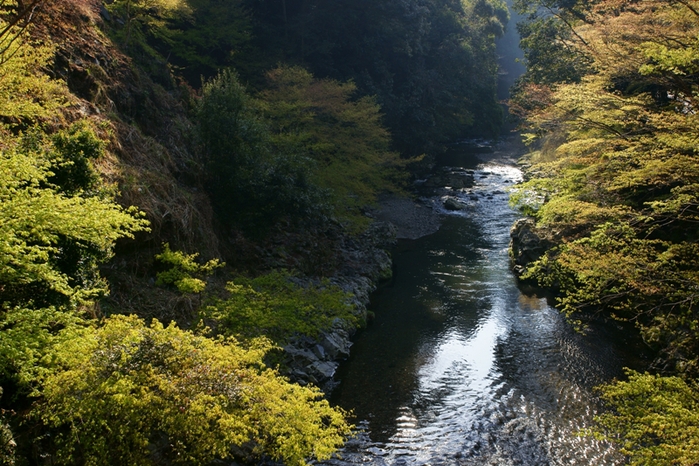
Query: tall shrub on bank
{"x": 130, "y": 394}
{"x": 252, "y": 184}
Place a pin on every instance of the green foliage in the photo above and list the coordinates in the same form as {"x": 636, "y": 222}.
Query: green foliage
{"x": 252, "y": 184}
{"x": 28, "y": 336}
{"x": 130, "y": 394}
{"x": 654, "y": 419}
{"x": 343, "y": 135}
{"x": 26, "y": 93}
{"x": 41, "y": 228}
{"x": 550, "y": 42}
{"x": 615, "y": 184}
{"x": 194, "y": 38}
{"x": 184, "y": 273}
{"x": 53, "y": 237}
{"x": 147, "y": 16}
{"x": 274, "y": 306}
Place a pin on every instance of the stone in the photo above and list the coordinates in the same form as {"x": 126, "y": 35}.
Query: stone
{"x": 319, "y": 351}
{"x": 451, "y": 203}
{"x": 324, "y": 369}
{"x": 335, "y": 345}
{"x": 527, "y": 244}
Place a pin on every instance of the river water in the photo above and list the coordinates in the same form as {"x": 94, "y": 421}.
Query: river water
{"x": 459, "y": 367}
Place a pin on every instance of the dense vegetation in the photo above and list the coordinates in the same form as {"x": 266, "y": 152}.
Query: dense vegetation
{"x": 119, "y": 166}
{"x": 430, "y": 64}
{"x": 610, "y": 98}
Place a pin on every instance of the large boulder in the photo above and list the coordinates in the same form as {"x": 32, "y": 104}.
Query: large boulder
{"x": 451, "y": 203}
{"x": 527, "y": 244}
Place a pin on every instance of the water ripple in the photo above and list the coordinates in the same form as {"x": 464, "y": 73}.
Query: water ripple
{"x": 461, "y": 368}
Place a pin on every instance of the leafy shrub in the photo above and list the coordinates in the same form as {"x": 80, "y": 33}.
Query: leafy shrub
{"x": 274, "y": 306}
{"x": 71, "y": 156}
{"x": 185, "y": 274}
{"x": 131, "y": 394}
{"x": 655, "y": 419}
{"x": 26, "y": 94}
{"x": 52, "y": 242}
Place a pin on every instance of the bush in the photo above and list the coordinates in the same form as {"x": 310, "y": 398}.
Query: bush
{"x": 655, "y": 419}
{"x": 275, "y": 307}
{"x": 184, "y": 273}
{"x": 131, "y": 394}
{"x": 51, "y": 242}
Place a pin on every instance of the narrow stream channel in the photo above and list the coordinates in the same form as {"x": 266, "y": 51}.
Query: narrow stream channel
{"x": 461, "y": 368}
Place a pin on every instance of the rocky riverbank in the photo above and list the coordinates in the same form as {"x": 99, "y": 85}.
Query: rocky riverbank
{"x": 366, "y": 263}
{"x": 527, "y": 244}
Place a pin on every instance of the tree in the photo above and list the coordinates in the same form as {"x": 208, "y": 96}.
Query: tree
{"x": 324, "y": 120}
{"x": 253, "y": 185}
{"x": 142, "y": 15}
{"x": 130, "y": 394}
{"x": 620, "y": 178}
{"x": 214, "y": 35}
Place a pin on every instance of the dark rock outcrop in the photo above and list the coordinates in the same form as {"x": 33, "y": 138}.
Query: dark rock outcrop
{"x": 454, "y": 179}
{"x": 451, "y": 203}
{"x": 527, "y": 244}
{"x": 315, "y": 360}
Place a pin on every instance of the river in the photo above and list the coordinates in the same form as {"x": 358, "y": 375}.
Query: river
{"x": 459, "y": 367}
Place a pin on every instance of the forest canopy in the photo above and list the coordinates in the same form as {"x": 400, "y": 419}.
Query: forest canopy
{"x": 431, "y": 65}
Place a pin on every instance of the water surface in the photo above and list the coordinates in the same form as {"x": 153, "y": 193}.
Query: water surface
{"x": 459, "y": 367}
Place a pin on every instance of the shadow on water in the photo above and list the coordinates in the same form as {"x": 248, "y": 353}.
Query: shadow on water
{"x": 412, "y": 312}
{"x": 459, "y": 366}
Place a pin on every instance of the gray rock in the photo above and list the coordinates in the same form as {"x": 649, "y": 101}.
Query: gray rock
{"x": 336, "y": 344}
{"x": 319, "y": 351}
{"x": 451, "y": 203}
{"x": 527, "y": 244}
{"x": 324, "y": 369}
{"x": 105, "y": 13}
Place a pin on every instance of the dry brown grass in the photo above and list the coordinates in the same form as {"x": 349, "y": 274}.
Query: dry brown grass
{"x": 149, "y": 161}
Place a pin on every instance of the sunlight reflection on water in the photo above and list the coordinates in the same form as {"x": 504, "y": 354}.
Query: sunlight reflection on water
{"x": 459, "y": 367}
